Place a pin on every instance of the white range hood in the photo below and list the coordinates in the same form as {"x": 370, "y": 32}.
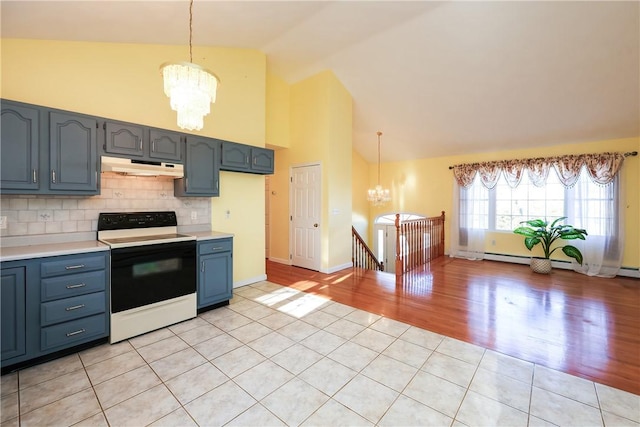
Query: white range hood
{"x": 141, "y": 167}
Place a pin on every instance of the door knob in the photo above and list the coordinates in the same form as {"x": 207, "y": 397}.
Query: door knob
{"x": 315, "y": 225}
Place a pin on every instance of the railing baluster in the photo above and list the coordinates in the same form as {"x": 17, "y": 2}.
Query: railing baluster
{"x": 361, "y": 255}
{"x": 418, "y": 242}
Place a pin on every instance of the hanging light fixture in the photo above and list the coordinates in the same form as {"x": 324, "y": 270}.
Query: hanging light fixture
{"x": 190, "y": 88}
{"x": 378, "y": 195}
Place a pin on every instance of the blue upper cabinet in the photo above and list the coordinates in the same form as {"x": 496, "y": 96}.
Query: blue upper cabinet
{"x": 47, "y": 151}
{"x": 245, "y": 158}
{"x": 201, "y": 173}
{"x": 235, "y": 157}
{"x": 137, "y": 141}
{"x": 73, "y": 153}
{"x": 262, "y": 160}
{"x": 19, "y": 145}
{"x": 127, "y": 139}
{"x": 165, "y": 145}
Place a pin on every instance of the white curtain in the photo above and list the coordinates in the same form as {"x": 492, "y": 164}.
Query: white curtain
{"x": 469, "y": 220}
{"x": 592, "y": 197}
{"x": 597, "y": 209}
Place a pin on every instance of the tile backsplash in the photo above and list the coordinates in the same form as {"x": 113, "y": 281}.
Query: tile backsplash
{"x": 31, "y": 215}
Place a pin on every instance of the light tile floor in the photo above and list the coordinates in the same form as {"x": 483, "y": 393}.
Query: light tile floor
{"x": 276, "y": 356}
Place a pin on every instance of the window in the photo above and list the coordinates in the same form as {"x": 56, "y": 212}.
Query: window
{"x": 587, "y": 205}
{"x": 526, "y": 201}
{"x": 585, "y": 188}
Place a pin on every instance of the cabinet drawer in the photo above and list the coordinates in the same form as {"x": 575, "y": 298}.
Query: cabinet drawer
{"x": 72, "y": 308}
{"x": 214, "y": 246}
{"x": 72, "y": 264}
{"x": 71, "y": 333}
{"x": 72, "y": 285}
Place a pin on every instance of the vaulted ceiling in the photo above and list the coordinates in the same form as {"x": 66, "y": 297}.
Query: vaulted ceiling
{"x": 437, "y": 78}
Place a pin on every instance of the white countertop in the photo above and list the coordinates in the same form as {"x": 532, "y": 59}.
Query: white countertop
{"x": 14, "y": 253}
{"x": 210, "y": 235}
{"x": 51, "y": 247}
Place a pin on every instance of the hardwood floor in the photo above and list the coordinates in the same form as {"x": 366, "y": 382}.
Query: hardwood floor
{"x": 585, "y": 326}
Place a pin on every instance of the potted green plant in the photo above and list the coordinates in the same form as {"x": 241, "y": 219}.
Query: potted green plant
{"x": 540, "y": 231}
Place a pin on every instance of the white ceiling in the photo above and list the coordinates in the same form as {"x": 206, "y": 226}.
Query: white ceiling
{"x": 437, "y": 78}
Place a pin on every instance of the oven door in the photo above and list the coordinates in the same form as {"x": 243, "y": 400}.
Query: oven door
{"x": 143, "y": 275}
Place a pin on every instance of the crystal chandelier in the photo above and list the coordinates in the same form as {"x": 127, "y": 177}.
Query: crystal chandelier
{"x": 190, "y": 88}
{"x": 378, "y": 195}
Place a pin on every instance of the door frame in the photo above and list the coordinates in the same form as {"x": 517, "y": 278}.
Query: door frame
{"x": 320, "y": 225}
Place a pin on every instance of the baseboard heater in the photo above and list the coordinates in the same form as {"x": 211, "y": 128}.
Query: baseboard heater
{"x": 517, "y": 259}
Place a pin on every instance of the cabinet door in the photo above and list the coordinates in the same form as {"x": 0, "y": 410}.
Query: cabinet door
{"x": 123, "y": 138}
{"x": 234, "y": 157}
{"x": 164, "y": 145}
{"x": 215, "y": 279}
{"x": 262, "y": 160}
{"x": 13, "y": 302}
{"x": 73, "y": 153}
{"x": 201, "y": 169}
{"x": 19, "y": 145}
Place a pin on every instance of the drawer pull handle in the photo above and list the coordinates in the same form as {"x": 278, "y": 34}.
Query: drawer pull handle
{"x": 75, "y": 307}
{"x": 79, "y": 285}
{"x": 81, "y": 331}
{"x": 216, "y": 249}
{"x": 74, "y": 267}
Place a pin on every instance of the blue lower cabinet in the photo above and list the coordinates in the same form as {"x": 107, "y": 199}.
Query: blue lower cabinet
{"x": 13, "y": 301}
{"x": 215, "y": 272}
{"x": 53, "y": 304}
{"x": 67, "y": 334}
{"x": 68, "y": 309}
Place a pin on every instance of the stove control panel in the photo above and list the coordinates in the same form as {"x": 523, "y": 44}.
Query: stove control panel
{"x": 129, "y": 220}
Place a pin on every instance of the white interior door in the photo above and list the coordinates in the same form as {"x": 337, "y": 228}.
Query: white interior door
{"x": 385, "y": 244}
{"x": 305, "y": 216}
{"x": 390, "y": 249}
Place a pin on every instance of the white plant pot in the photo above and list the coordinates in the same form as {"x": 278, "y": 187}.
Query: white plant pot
{"x": 541, "y": 265}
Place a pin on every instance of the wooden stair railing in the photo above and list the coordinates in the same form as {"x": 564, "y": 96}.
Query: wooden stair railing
{"x": 361, "y": 255}
{"x": 418, "y": 241}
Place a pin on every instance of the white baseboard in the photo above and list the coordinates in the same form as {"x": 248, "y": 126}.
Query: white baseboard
{"x": 280, "y": 260}
{"x": 329, "y": 270}
{"x": 337, "y": 268}
{"x": 249, "y": 281}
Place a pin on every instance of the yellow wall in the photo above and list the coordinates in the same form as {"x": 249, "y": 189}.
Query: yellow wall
{"x": 320, "y": 133}
{"x": 278, "y": 110}
{"x": 359, "y": 187}
{"x": 338, "y": 173}
{"x": 123, "y": 82}
{"x": 426, "y": 186}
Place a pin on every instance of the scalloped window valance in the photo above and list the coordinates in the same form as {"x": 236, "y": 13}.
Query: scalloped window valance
{"x": 602, "y": 168}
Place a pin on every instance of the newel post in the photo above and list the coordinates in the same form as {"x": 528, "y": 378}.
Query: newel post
{"x": 399, "y": 261}
{"x": 442, "y": 239}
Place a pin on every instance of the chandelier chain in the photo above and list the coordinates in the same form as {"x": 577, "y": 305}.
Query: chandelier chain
{"x": 190, "y": 30}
